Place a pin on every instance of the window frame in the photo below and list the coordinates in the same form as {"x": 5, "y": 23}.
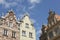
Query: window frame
{"x": 10, "y": 24}
{"x": 51, "y": 34}
{"x": 13, "y": 34}
{"x": 30, "y": 35}
{"x": 23, "y": 33}
{"x": 5, "y": 33}
{"x": 26, "y": 25}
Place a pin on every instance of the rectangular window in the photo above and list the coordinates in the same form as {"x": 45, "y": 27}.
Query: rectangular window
{"x": 13, "y": 34}
{"x": 27, "y": 25}
{"x": 1, "y": 22}
{"x": 10, "y": 24}
{"x": 5, "y": 32}
{"x": 30, "y": 35}
{"x": 57, "y": 30}
{"x": 50, "y": 34}
{"x": 23, "y": 33}
{"x": 18, "y": 25}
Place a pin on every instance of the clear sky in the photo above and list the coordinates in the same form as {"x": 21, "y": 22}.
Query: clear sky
{"x": 37, "y": 9}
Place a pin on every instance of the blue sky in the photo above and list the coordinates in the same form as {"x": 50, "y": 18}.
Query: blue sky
{"x": 37, "y": 9}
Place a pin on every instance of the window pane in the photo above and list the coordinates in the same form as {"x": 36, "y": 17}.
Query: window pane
{"x": 27, "y": 25}
{"x": 57, "y": 30}
{"x": 23, "y": 33}
{"x": 10, "y": 24}
{"x": 13, "y": 34}
{"x": 30, "y": 34}
{"x": 5, "y": 32}
{"x": 1, "y": 22}
{"x": 51, "y": 34}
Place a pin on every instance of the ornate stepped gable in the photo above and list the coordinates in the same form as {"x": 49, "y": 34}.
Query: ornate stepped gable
{"x": 9, "y": 27}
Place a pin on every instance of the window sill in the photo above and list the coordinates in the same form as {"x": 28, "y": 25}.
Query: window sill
{"x": 5, "y": 35}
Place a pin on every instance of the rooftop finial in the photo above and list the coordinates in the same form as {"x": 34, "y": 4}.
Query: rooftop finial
{"x": 11, "y": 11}
{"x": 50, "y": 11}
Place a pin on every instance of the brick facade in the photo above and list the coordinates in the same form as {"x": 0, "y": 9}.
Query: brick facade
{"x": 11, "y": 30}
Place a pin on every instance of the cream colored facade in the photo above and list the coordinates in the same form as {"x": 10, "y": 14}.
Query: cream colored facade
{"x": 12, "y": 29}
{"x": 27, "y": 30}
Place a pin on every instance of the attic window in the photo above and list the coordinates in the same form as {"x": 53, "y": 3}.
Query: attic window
{"x": 10, "y": 24}
{"x": 27, "y": 25}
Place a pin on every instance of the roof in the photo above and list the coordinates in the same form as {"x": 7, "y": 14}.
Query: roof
{"x": 26, "y": 14}
{"x": 57, "y": 17}
{"x": 45, "y": 27}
